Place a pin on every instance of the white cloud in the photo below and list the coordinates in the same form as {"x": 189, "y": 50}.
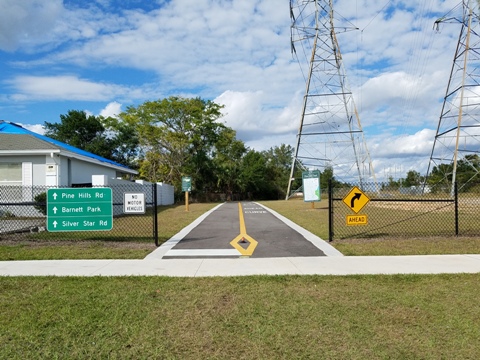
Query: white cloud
{"x": 237, "y": 53}
{"x": 111, "y": 110}
{"x": 27, "y": 21}
{"x": 189, "y": 44}
{"x": 37, "y": 128}
{"x": 242, "y": 109}
{"x": 247, "y": 113}
{"x": 67, "y": 87}
{"x": 393, "y": 155}
{"x": 418, "y": 144}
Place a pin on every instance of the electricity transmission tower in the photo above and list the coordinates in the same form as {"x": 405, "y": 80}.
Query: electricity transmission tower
{"x": 457, "y": 140}
{"x": 330, "y": 135}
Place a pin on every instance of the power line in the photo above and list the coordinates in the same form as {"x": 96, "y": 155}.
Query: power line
{"x": 384, "y": 6}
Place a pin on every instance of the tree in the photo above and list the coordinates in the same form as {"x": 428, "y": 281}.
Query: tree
{"x": 468, "y": 169}
{"x": 392, "y": 184}
{"x": 253, "y": 180}
{"x": 467, "y": 174}
{"x": 228, "y": 155}
{"x": 124, "y": 142}
{"x": 178, "y": 136}
{"x": 278, "y": 163}
{"x": 327, "y": 175}
{"x": 413, "y": 179}
{"x": 108, "y": 138}
{"x": 80, "y": 130}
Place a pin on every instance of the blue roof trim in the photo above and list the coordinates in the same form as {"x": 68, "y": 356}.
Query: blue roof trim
{"x": 11, "y": 128}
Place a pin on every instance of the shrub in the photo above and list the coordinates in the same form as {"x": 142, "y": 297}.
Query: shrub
{"x": 41, "y": 203}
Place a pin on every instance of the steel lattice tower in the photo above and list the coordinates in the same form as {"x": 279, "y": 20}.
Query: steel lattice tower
{"x": 457, "y": 140}
{"x": 330, "y": 134}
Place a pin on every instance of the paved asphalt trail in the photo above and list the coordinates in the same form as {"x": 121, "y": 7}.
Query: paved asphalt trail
{"x": 243, "y": 229}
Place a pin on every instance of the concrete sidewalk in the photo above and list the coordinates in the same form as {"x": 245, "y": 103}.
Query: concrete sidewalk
{"x": 346, "y": 265}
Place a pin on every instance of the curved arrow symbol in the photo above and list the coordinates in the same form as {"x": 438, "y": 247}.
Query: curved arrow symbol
{"x": 355, "y": 197}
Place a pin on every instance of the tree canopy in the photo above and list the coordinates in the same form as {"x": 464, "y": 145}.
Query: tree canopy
{"x": 108, "y": 138}
{"x": 467, "y": 174}
{"x": 178, "y": 137}
{"x": 169, "y": 138}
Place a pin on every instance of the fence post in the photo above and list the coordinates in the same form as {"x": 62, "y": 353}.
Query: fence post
{"x": 330, "y": 211}
{"x": 455, "y": 189}
{"x": 155, "y": 215}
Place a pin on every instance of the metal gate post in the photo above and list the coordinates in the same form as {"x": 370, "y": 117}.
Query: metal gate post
{"x": 155, "y": 215}
{"x": 330, "y": 211}
{"x": 455, "y": 188}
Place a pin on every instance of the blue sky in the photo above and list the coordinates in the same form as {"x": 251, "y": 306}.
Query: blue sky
{"x": 104, "y": 55}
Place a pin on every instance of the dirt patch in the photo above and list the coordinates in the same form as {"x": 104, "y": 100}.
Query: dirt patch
{"x": 463, "y": 205}
{"x": 412, "y": 206}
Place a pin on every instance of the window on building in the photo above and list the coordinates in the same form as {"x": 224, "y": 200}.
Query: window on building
{"x": 11, "y": 173}
{"x": 11, "y": 179}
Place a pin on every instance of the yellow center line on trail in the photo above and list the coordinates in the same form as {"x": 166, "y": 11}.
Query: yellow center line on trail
{"x": 243, "y": 236}
{"x": 243, "y": 228}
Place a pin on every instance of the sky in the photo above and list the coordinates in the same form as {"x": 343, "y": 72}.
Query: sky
{"x": 102, "y": 56}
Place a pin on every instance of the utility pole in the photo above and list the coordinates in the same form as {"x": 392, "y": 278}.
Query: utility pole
{"x": 458, "y": 132}
{"x": 330, "y": 135}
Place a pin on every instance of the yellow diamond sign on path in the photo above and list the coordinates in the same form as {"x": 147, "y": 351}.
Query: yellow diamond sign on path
{"x": 243, "y": 237}
{"x": 356, "y": 199}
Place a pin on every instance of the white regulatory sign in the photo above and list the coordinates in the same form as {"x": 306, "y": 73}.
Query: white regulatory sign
{"x": 134, "y": 203}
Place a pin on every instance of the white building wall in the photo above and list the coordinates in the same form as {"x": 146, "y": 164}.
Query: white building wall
{"x": 82, "y": 171}
{"x": 62, "y": 171}
{"x": 38, "y": 166}
{"x": 165, "y": 192}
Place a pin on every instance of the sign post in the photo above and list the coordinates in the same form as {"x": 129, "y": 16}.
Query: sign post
{"x": 311, "y": 186}
{"x": 79, "y": 209}
{"x": 186, "y": 187}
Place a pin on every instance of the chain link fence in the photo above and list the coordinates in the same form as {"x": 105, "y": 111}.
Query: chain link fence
{"x": 24, "y": 214}
{"x": 378, "y": 210}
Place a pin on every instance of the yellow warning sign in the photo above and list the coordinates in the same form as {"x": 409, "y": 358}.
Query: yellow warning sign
{"x": 356, "y": 199}
{"x": 357, "y": 220}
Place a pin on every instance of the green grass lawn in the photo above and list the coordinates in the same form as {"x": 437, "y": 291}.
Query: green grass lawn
{"x": 255, "y": 317}
{"x": 258, "y": 317}
{"x": 316, "y": 221}
{"x": 131, "y": 238}
{"x": 171, "y": 219}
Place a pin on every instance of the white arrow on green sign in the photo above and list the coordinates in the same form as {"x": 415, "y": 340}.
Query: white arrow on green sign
{"x": 79, "y": 209}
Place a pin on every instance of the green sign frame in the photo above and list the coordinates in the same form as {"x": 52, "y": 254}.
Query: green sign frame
{"x": 186, "y": 183}
{"x": 311, "y": 186}
{"x": 79, "y": 209}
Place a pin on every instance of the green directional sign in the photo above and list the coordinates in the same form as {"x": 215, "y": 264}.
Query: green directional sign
{"x": 186, "y": 183}
{"x": 79, "y": 209}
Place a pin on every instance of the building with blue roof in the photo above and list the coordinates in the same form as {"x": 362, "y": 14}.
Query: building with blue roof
{"x": 31, "y": 159}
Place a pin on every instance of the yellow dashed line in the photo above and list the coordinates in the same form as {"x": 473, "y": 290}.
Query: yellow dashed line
{"x": 243, "y": 236}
